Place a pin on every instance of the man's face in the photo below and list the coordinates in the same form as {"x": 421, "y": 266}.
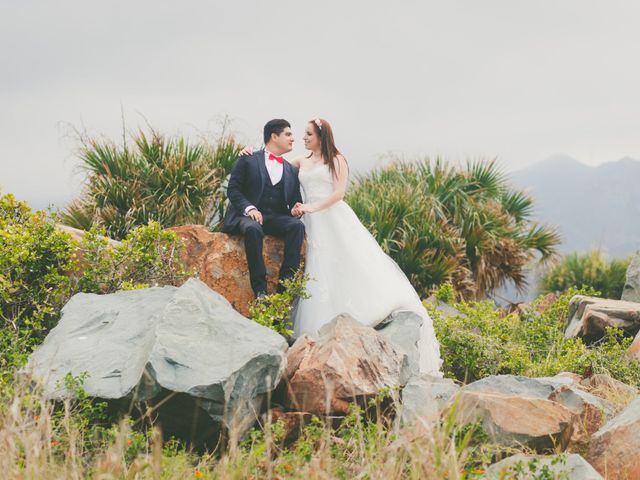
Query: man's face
{"x": 284, "y": 141}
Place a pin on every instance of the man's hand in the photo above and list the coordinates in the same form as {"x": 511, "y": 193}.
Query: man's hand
{"x": 255, "y": 215}
{"x": 295, "y": 211}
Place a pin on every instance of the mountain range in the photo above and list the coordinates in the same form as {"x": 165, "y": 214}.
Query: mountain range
{"x": 591, "y": 206}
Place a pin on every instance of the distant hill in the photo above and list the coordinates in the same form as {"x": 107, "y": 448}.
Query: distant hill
{"x": 591, "y": 206}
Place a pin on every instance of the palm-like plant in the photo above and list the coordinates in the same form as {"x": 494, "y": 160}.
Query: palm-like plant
{"x": 592, "y": 269}
{"x": 152, "y": 178}
{"x": 442, "y": 223}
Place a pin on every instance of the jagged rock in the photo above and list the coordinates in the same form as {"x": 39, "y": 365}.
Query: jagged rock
{"x": 347, "y": 362}
{"x": 631, "y": 291}
{"x": 403, "y": 329}
{"x": 424, "y": 398}
{"x": 568, "y": 467}
{"x": 519, "y": 386}
{"x": 513, "y": 421}
{"x": 591, "y": 411}
{"x": 614, "y": 450}
{"x": 185, "y": 348}
{"x": 220, "y": 262}
{"x": 590, "y": 316}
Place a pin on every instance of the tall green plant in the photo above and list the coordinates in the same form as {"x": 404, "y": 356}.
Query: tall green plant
{"x": 592, "y": 269}
{"x": 443, "y": 223}
{"x": 151, "y": 178}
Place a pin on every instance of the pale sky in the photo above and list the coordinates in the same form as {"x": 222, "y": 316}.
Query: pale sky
{"x": 518, "y": 80}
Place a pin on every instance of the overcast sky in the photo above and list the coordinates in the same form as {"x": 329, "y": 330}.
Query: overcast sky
{"x": 518, "y": 80}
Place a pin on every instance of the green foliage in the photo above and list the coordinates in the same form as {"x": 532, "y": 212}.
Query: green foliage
{"x": 532, "y": 470}
{"x": 590, "y": 270}
{"x": 445, "y": 224}
{"x": 445, "y": 293}
{"x": 274, "y": 311}
{"x": 40, "y": 270}
{"x": 484, "y": 341}
{"x": 35, "y": 259}
{"x": 152, "y": 178}
{"x": 148, "y": 256}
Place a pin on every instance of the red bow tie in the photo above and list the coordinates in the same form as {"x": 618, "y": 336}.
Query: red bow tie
{"x": 277, "y": 159}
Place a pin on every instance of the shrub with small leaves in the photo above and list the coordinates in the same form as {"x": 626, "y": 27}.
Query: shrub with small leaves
{"x": 274, "y": 311}
{"x": 148, "y": 256}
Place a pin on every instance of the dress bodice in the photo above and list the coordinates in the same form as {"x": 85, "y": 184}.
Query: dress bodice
{"x": 316, "y": 181}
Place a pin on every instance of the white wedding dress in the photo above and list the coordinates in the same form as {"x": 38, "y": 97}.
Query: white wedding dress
{"x": 351, "y": 274}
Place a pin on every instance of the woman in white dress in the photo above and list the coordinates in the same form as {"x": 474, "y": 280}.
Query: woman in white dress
{"x": 349, "y": 272}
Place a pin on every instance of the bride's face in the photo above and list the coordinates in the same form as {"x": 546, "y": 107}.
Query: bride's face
{"x": 311, "y": 139}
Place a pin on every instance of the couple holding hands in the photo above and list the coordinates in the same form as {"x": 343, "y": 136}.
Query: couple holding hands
{"x": 349, "y": 272}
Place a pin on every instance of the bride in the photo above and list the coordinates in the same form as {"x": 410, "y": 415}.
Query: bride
{"x": 348, "y": 270}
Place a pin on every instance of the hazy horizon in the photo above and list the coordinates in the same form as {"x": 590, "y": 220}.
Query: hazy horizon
{"x": 515, "y": 80}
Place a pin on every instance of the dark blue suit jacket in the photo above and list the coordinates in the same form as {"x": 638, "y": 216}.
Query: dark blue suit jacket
{"x": 246, "y": 184}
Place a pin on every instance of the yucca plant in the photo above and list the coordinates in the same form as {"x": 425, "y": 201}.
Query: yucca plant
{"x": 592, "y": 269}
{"x": 151, "y": 178}
{"x": 446, "y": 223}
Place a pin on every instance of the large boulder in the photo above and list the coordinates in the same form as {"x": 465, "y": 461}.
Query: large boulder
{"x": 590, "y": 316}
{"x": 183, "y": 349}
{"x": 631, "y": 291}
{"x": 567, "y": 467}
{"x": 590, "y": 411}
{"x": 403, "y": 330}
{"x": 614, "y": 450}
{"x": 512, "y": 421}
{"x": 424, "y": 398}
{"x": 347, "y": 362}
{"x": 220, "y": 262}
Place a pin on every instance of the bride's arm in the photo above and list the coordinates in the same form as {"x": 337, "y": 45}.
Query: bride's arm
{"x": 339, "y": 188}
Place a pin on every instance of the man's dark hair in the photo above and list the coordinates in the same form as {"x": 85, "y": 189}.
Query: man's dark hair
{"x": 276, "y": 126}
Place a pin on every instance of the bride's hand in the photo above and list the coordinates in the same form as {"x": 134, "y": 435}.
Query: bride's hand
{"x": 246, "y": 151}
{"x": 306, "y": 208}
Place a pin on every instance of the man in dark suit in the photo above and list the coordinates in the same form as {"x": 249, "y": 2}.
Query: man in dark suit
{"x": 264, "y": 190}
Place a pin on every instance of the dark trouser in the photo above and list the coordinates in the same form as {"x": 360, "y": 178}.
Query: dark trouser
{"x": 283, "y": 226}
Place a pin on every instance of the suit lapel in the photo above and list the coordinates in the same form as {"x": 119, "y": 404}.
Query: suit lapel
{"x": 285, "y": 180}
{"x": 262, "y": 168}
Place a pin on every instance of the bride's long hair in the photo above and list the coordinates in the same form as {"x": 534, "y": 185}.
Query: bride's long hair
{"x": 327, "y": 144}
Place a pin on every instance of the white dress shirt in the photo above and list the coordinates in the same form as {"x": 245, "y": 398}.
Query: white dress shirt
{"x": 274, "y": 169}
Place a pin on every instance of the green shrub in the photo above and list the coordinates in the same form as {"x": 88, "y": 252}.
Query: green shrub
{"x": 35, "y": 260}
{"x": 485, "y": 341}
{"x": 442, "y": 224}
{"x": 148, "y": 256}
{"x": 152, "y": 178}
{"x": 590, "y": 270}
{"x": 274, "y": 311}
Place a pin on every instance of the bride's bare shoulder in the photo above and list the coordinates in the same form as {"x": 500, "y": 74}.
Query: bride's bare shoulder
{"x": 296, "y": 162}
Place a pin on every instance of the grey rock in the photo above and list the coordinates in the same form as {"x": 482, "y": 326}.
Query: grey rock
{"x": 186, "y": 344}
{"x": 577, "y": 400}
{"x": 518, "y": 386}
{"x": 631, "y": 291}
{"x": 424, "y": 397}
{"x": 569, "y": 467}
{"x": 403, "y": 330}
{"x": 590, "y": 316}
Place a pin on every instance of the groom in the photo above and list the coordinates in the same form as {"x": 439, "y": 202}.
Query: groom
{"x": 263, "y": 191}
